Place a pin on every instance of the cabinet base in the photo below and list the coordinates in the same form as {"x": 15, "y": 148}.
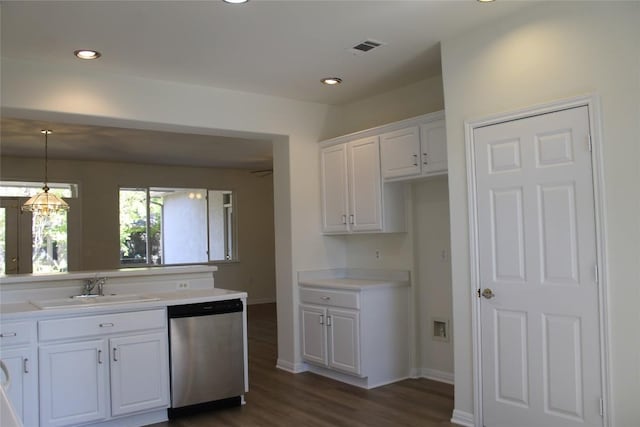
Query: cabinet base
{"x": 204, "y": 407}
{"x": 361, "y": 382}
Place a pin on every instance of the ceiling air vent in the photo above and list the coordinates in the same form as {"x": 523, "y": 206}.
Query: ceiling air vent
{"x": 366, "y": 46}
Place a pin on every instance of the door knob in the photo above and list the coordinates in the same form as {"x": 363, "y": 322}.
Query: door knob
{"x": 488, "y": 293}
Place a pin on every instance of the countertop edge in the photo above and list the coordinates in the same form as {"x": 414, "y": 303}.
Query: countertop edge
{"x": 122, "y": 272}
{"x": 27, "y": 311}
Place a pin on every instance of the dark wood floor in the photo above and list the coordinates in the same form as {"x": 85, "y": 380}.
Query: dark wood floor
{"x": 280, "y": 399}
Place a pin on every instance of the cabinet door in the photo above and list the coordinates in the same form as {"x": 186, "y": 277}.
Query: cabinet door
{"x": 139, "y": 373}
{"x": 333, "y": 169}
{"x": 400, "y": 153}
{"x": 344, "y": 340}
{"x": 365, "y": 185}
{"x": 73, "y": 383}
{"x": 433, "y": 138}
{"x": 23, "y": 390}
{"x": 314, "y": 335}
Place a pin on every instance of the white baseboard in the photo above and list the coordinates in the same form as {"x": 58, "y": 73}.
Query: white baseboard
{"x": 462, "y": 418}
{"x": 294, "y": 368}
{"x": 436, "y": 375}
{"x": 253, "y": 301}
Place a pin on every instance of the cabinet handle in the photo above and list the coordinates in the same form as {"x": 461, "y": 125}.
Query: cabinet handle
{"x": 7, "y": 334}
{"x": 25, "y": 365}
{"x": 344, "y": 219}
{"x": 100, "y": 357}
{"x": 328, "y": 320}
{"x": 424, "y": 156}
{"x": 351, "y": 219}
{"x": 415, "y": 159}
{"x": 322, "y": 319}
{"x": 106, "y": 325}
{"x": 326, "y": 298}
{"x": 115, "y": 355}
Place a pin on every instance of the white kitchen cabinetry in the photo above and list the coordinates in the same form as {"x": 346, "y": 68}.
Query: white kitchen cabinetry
{"x": 354, "y": 198}
{"x": 356, "y": 334}
{"x": 331, "y": 338}
{"x": 93, "y": 368}
{"x": 19, "y": 354}
{"x": 416, "y": 150}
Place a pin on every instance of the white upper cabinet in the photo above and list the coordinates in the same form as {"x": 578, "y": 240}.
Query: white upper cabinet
{"x": 433, "y": 140}
{"x": 365, "y": 185}
{"x": 401, "y": 152}
{"x": 353, "y": 196}
{"x": 334, "y": 188}
{"x": 416, "y": 150}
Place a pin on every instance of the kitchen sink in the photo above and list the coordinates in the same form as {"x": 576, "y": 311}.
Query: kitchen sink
{"x": 91, "y": 301}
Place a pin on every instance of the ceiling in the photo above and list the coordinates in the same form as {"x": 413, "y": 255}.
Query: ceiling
{"x": 279, "y": 48}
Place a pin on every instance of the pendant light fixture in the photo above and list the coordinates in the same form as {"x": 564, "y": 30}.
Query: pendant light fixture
{"x": 45, "y": 203}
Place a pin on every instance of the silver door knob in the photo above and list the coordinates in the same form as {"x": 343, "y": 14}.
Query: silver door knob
{"x": 488, "y": 293}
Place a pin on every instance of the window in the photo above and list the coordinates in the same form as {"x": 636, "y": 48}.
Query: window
{"x": 160, "y": 226}
{"x": 45, "y": 239}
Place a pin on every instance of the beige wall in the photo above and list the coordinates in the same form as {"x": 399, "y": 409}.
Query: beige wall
{"x": 98, "y": 244}
{"x": 411, "y": 100}
{"x": 554, "y": 51}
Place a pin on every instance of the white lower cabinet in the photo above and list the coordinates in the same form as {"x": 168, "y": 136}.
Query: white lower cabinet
{"x": 73, "y": 383}
{"x": 19, "y": 354}
{"x": 331, "y": 338}
{"x": 139, "y": 373}
{"x": 362, "y": 333}
{"x": 124, "y": 370}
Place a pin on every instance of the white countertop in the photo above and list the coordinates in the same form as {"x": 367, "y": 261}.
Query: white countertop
{"x": 354, "y": 279}
{"x": 352, "y": 284}
{"x": 25, "y": 310}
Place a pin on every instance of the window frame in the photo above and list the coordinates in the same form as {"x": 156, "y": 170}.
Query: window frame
{"x": 235, "y": 254}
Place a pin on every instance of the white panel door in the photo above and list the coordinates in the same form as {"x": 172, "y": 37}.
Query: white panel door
{"x": 139, "y": 373}
{"x": 344, "y": 340}
{"x": 365, "y": 185}
{"x": 333, "y": 167}
{"x": 73, "y": 381}
{"x": 400, "y": 153}
{"x": 537, "y": 254}
{"x": 314, "y": 334}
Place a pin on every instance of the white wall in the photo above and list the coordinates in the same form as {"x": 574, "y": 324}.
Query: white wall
{"x": 556, "y": 50}
{"x": 411, "y": 100}
{"x": 418, "y": 250}
{"x": 70, "y": 93}
{"x": 184, "y": 229}
{"x": 433, "y": 273}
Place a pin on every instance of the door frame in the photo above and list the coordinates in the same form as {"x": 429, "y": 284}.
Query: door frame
{"x": 592, "y": 102}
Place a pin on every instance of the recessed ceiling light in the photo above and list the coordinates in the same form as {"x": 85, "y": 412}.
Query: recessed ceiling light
{"x": 87, "y": 54}
{"x": 235, "y": 1}
{"x": 331, "y": 80}
{"x": 486, "y": 1}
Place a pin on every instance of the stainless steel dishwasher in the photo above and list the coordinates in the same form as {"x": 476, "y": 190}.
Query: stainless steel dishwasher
{"x": 207, "y": 358}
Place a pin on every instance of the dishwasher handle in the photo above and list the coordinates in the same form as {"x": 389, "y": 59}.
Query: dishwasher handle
{"x": 205, "y": 308}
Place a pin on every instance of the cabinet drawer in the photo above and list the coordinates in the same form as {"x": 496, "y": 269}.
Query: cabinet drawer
{"x": 332, "y": 297}
{"x": 17, "y": 333}
{"x": 74, "y": 327}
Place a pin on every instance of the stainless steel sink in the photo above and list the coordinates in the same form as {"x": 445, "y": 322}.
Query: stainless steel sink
{"x": 91, "y": 301}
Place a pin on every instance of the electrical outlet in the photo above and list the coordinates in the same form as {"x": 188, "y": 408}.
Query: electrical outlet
{"x": 182, "y": 285}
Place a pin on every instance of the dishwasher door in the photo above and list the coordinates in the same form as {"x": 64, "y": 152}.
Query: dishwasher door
{"x": 207, "y": 359}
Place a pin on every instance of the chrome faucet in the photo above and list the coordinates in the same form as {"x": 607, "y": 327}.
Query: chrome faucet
{"x": 92, "y": 283}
